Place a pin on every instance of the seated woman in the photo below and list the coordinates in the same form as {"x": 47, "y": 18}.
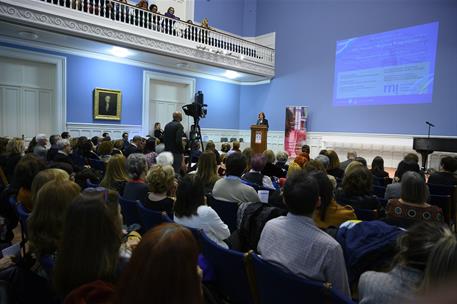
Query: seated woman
{"x": 255, "y": 176}
{"x": 149, "y": 151}
{"x": 207, "y": 170}
{"x": 329, "y": 213}
{"x": 136, "y": 188}
{"x": 271, "y": 169}
{"x": 115, "y": 175}
{"x": 191, "y": 210}
{"x": 14, "y": 151}
{"x": 356, "y": 190}
{"x": 161, "y": 248}
{"x": 105, "y": 150}
{"x": 91, "y": 240}
{"x": 412, "y": 206}
{"x": 45, "y": 176}
{"x": 159, "y": 182}
{"x": 45, "y": 226}
{"x": 334, "y": 165}
{"x": 394, "y": 190}
{"x": 210, "y": 146}
{"x": 447, "y": 174}
{"x": 377, "y": 167}
{"x": 400, "y": 284}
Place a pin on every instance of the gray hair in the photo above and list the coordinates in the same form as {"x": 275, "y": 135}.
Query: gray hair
{"x": 282, "y": 156}
{"x": 413, "y": 188}
{"x": 165, "y": 158}
{"x": 136, "y": 165}
{"x": 62, "y": 143}
{"x": 41, "y": 137}
{"x": 323, "y": 159}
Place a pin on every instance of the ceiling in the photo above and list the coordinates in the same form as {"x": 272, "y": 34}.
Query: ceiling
{"x": 11, "y": 32}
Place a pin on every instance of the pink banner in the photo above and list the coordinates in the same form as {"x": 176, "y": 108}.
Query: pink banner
{"x": 295, "y": 130}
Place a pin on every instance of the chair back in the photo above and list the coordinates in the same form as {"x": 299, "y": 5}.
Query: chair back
{"x": 436, "y": 189}
{"x": 379, "y": 191}
{"x": 23, "y": 215}
{"x": 89, "y": 184}
{"x": 129, "y": 210}
{"x": 150, "y": 218}
{"x": 276, "y": 285}
{"x": 230, "y": 275}
{"x": 445, "y": 203}
{"x": 366, "y": 214}
{"x": 227, "y": 211}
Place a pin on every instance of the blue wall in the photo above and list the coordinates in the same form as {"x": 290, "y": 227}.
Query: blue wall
{"x": 84, "y": 74}
{"x": 306, "y": 32}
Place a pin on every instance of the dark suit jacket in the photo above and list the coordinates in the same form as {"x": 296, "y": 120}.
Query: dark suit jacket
{"x": 172, "y": 137}
{"x": 60, "y": 157}
{"x": 130, "y": 150}
{"x": 264, "y": 122}
{"x": 442, "y": 178}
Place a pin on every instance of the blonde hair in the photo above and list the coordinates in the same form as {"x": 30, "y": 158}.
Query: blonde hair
{"x": 159, "y": 180}
{"x": 45, "y": 176}
{"x": 105, "y": 148}
{"x": 352, "y": 166}
{"x": 115, "y": 171}
{"x": 15, "y": 146}
{"x": 293, "y": 168}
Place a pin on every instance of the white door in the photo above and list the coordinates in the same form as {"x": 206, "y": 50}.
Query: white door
{"x": 166, "y": 97}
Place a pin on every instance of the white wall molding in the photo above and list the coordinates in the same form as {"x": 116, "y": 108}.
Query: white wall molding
{"x": 61, "y": 78}
{"x": 391, "y": 147}
{"x": 94, "y": 129}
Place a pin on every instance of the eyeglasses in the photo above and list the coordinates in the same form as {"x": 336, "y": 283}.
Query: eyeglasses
{"x": 99, "y": 190}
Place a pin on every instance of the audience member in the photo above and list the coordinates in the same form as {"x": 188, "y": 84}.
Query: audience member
{"x": 164, "y": 159}
{"x": 351, "y": 155}
{"x": 329, "y": 213}
{"x": 442, "y": 263}
{"x": 394, "y": 190}
{"x": 247, "y": 153}
{"x": 159, "y": 182}
{"x": 125, "y": 139}
{"x": 306, "y": 149}
{"x": 158, "y": 132}
{"x": 118, "y": 147}
{"x": 172, "y": 137}
{"x": 235, "y": 148}
{"x": 377, "y": 167}
{"x": 190, "y": 210}
{"x": 14, "y": 151}
{"x": 166, "y": 277}
{"x": 324, "y": 162}
{"x": 361, "y": 160}
{"x": 136, "y": 146}
{"x": 90, "y": 245}
{"x": 150, "y": 151}
{"x": 281, "y": 160}
{"x": 116, "y": 176}
{"x": 65, "y": 135}
{"x": 105, "y": 150}
{"x": 400, "y": 284}
{"x": 40, "y": 150}
{"x": 44, "y": 177}
{"x": 207, "y": 171}
{"x": 412, "y": 206}
{"x": 86, "y": 149}
{"x": 210, "y": 146}
{"x": 137, "y": 167}
{"x": 255, "y": 176}
{"x": 408, "y": 158}
{"x": 63, "y": 152}
{"x": 53, "y": 149}
{"x": 334, "y": 165}
{"x": 271, "y": 169}
{"x": 356, "y": 190}
{"x": 225, "y": 147}
{"x": 446, "y": 176}
{"x": 282, "y": 238}
{"x": 171, "y": 13}
{"x": 230, "y": 188}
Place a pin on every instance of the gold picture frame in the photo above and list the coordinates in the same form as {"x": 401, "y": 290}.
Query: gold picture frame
{"x": 107, "y": 104}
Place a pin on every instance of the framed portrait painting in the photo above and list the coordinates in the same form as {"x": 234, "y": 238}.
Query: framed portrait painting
{"x": 107, "y": 104}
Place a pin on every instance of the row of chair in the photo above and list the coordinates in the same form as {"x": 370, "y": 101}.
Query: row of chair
{"x": 245, "y": 278}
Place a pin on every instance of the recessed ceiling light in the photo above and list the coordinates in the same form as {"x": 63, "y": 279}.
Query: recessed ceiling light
{"x": 28, "y": 35}
{"x": 119, "y": 52}
{"x": 231, "y": 74}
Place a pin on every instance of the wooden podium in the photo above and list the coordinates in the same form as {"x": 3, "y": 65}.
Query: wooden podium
{"x": 258, "y": 138}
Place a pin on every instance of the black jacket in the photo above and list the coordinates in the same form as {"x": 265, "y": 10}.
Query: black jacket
{"x": 172, "y": 137}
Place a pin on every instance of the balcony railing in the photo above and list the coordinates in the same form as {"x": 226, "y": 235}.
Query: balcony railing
{"x": 209, "y": 40}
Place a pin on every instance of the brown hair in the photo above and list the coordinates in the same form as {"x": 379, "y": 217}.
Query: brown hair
{"x": 163, "y": 269}
{"x": 45, "y": 176}
{"x": 115, "y": 171}
{"x": 207, "y": 168}
{"x": 334, "y": 160}
{"x": 358, "y": 182}
{"x": 90, "y": 243}
{"x": 15, "y": 146}
{"x": 47, "y": 219}
{"x": 105, "y": 148}
{"x": 269, "y": 156}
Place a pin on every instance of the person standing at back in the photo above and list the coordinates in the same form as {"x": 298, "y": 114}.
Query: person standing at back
{"x": 172, "y": 137}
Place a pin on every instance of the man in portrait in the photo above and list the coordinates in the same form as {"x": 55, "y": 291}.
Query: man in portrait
{"x": 107, "y": 105}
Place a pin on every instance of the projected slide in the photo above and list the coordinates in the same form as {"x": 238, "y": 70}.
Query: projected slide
{"x": 395, "y": 67}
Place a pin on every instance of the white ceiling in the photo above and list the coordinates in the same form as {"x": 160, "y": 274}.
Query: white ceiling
{"x": 11, "y": 32}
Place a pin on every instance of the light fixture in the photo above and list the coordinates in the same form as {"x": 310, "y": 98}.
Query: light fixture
{"x": 231, "y": 74}
{"x": 119, "y": 52}
{"x": 28, "y": 35}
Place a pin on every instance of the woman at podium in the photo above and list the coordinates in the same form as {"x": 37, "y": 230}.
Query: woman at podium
{"x": 261, "y": 120}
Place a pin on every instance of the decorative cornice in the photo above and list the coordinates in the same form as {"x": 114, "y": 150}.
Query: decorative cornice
{"x": 41, "y": 17}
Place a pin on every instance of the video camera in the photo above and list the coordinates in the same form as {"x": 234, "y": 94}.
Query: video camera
{"x": 197, "y": 109}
